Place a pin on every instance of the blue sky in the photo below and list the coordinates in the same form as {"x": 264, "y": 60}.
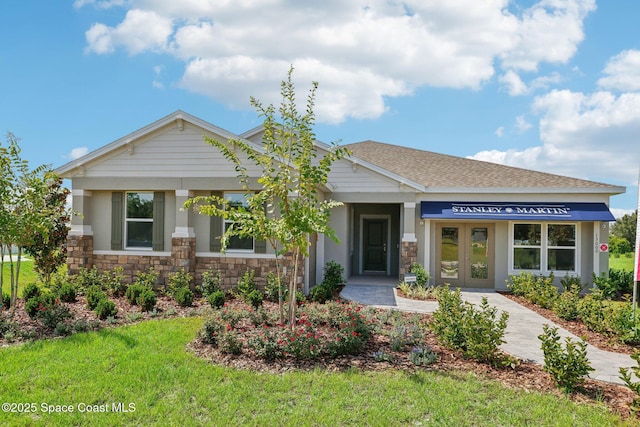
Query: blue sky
{"x": 551, "y": 85}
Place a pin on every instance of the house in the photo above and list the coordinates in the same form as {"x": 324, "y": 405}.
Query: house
{"x": 469, "y": 223}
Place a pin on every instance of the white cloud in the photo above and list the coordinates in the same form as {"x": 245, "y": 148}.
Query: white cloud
{"x": 522, "y": 124}
{"x": 622, "y": 72}
{"x": 499, "y": 132}
{"x": 619, "y": 213}
{"x": 361, "y": 51}
{"x": 515, "y": 86}
{"x": 76, "y": 153}
{"x": 99, "y": 4}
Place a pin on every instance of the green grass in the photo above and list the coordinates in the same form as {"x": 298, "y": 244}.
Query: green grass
{"x": 621, "y": 263}
{"x": 27, "y": 275}
{"x": 146, "y": 364}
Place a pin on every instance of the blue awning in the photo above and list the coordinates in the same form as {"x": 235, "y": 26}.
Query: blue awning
{"x": 516, "y": 211}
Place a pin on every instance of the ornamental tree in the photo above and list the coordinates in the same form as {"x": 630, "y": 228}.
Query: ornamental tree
{"x": 288, "y": 208}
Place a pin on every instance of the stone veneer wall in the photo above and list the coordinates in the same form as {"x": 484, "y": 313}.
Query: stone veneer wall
{"x": 408, "y": 255}
{"x": 183, "y": 256}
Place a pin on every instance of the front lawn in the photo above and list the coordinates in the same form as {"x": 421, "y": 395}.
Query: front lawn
{"x": 147, "y": 365}
{"x": 27, "y": 275}
{"x": 621, "y": 262}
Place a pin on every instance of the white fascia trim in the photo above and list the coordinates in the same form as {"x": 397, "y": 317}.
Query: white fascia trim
{"x": 184, "y": 193}
{"x": 229, "y": 254}
{"x": 133, "y": 252}
{"x": 409, "y": 205}
{"x": 526, "y": 190}
{"x": 409, "y": 237}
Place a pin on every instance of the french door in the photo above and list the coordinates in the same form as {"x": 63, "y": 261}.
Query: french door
{"x": 465, "y": 255}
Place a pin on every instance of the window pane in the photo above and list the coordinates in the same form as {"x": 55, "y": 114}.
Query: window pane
{"x": 450, "y": 263}
{"x": 139, "y": 205}
{"x": 562, "y": 259}
{"x": 235, "y": 200}
{"x": 526, "y": 259}
{"x": 139, "y": 234}
{"x": 527, "y": 234}
{"x": 245, "y": 243}
{"x": 562, "y": 235}
{"x": 479, "y": 253}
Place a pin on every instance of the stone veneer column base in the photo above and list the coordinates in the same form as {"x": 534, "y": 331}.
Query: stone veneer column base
{"x": 79, "y": 253}
{"x": 408, "y": 255}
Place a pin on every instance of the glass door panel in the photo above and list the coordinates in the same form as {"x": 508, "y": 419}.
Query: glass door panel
{"x": 479, "y": 251}
{"x": 450, "y": 253}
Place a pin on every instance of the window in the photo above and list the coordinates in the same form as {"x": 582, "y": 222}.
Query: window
{"x": 544, "y": 247}
{"x": 234, "y": 201}
{"x": 139, "y": 220}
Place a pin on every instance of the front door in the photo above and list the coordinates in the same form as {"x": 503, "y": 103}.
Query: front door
{"x": 375, "y": 239}
{"x": 465, "y": 255}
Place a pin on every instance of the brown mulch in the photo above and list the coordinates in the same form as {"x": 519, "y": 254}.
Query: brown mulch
{"x": 601, "y": 341}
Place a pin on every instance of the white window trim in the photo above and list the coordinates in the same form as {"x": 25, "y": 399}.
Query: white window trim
{"x": 544, "y": 248}
{"x": 224, "y": 230}
{"x": 127, "y": 220}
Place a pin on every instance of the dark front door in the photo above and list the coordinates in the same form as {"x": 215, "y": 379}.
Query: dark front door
{"x": 375, "y": 240}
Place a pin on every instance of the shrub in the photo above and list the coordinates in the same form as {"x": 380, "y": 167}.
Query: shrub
{"x": 37, "y": 303}
{"x": 212, "y": 330}
{"x": 605, "y": 285}
{"x": 566, "y": 306}
{"x": 572, "y": 284}
{"x": 229, "y": 342}
{"x": 417, "y": 292}
{"x": 422, "y": 276}
{"x": 6, "y": 300}
{"x": 567, "y": 366}
{"x": 539, "y": 290}
{"x": 148, "y": 279}
{"x": 146, "y": 299}
{"x": 422, "y": 356}
{"x": 245, "y": 285}
{"x": 382, "y": 356}
{"x": 94, "y": 295}
{"x": 333, "y": 274}
{"x": 254, "y": 298}
{"x": 217, "y": 298}
{"x": 88, "y": 278}
{"x": 211, "y": 282}
{"x": 114, "y": 282}
{"x": 405, "y": 334}
{"x": 106, "y": 308}
{"x": 67, "y": 293}
{"x": 321, "y": 293}
{"x": 62, "y": 329}
{"x": 133, "y": 292}
{"x": 619, "y": 320}
{"x": 179, "y": 280}
{"x": 476, "y": 332}
{"x": 622, "y": 280}
{"x": 30, "y": 291}
{"x": 633, "y": 385}
{"x": 271, "y": 290}
{"x": 184, "y": 297}
{"x": 591, "y": 310}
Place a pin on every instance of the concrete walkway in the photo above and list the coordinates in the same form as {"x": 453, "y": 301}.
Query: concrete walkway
{"x": 523, "y": 326}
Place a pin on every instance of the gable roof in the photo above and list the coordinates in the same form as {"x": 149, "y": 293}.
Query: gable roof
{"x": 440, "y": 171}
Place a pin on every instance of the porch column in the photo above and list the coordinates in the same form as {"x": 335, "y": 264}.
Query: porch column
{"x": 80, "y": 237}
{"x": 409, "y": 245}
{"x": 183, "y": 239}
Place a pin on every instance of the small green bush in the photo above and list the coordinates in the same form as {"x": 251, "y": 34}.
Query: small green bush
{"x": 632, "y": 384}
{"x": 245, "y": 285}
{"x": 55, "y": 315}
{"x": 254, "y": 298}
{"x": 114, "y": 282}
{"x": 566, "y": 306}
{"x": 422, "y": 276}
{"x": 146, "y": 299}
{"x": 382, "y": 356}
{"x": 30, "y": 291}
{"x": 94, "y": 295}
{"x": 88, "y": 278}
{"x": 572, "y": 284}
{"x": 67, "y": 292}
{"x": 38, "y": 303}
{"x": 591, "y": 310}
{"x": 179, "y": 280}
{"x": 271, "y": 290}
{"x": 148, "y": 279}
{"x": 212, "y": 329}
{"x": 6, "y": 300}
{"x": 333, "y": 274}
{"x": 184, "y": 297}
{"x": 567, "y": 366}
{"x": 321, "y": 293}
{"x": 229, "y": 343}
{"x": 217, "y": 298}
{"x": 134, "y": 291}
{"x": 211, "y": 282}
{"x": 423, "y": 356}
{"x": 106, "y": 308}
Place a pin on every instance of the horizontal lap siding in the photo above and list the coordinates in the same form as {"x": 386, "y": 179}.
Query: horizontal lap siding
{"x": 362, "y": 180}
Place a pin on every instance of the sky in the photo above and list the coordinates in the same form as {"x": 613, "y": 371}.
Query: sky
{"x": 550, "y": 85}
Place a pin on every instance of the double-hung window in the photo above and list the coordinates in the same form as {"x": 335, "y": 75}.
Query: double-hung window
{"x": 544, "y": 247}
{"x": 237, "y": 200}
{"x": 139, "y": 220}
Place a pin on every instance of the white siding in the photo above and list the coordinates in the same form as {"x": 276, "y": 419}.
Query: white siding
{"x": 362, "y": 180}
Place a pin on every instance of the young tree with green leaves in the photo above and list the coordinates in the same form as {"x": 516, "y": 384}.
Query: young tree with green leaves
{"x": 25, "y": 215}
{"x": 625, "y": 227}
{"x": 288, "y": 208}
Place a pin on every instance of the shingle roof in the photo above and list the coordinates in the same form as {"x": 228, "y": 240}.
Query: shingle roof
{"x": 445, "y": 171}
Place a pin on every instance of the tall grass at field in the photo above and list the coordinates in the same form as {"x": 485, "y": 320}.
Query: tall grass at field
{"x": 621, "y": 262}
{"x": 148, "y": 365}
